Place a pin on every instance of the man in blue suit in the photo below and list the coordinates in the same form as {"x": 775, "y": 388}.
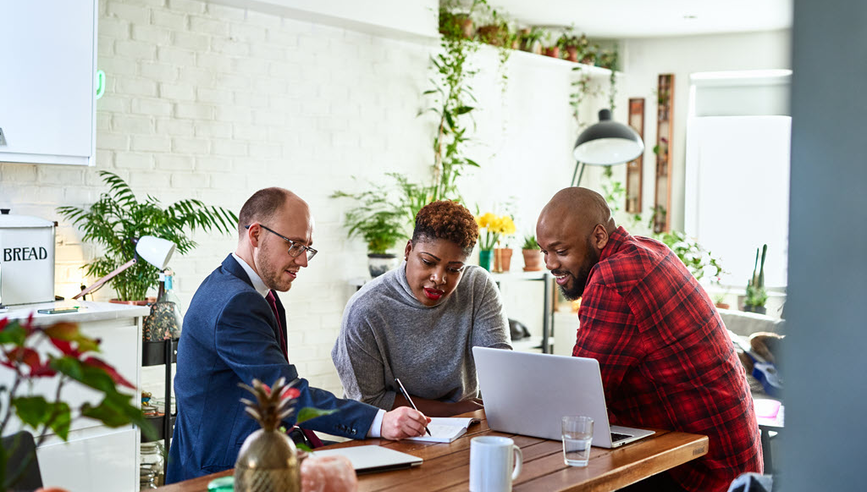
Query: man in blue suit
{"x": 235, "y": 331}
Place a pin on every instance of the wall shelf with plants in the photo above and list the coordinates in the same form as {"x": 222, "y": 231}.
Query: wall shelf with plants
{"x": 592, "y": 70}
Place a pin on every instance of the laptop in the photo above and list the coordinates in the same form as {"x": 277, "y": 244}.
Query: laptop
{"x": 373, "y": 458}
{"x": 528, "y": 393}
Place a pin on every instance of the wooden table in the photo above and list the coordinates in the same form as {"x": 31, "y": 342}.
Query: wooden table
{"x": 447, "y": 466}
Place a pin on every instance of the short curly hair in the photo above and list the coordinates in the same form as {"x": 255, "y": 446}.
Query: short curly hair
{"x": 445, "y": 219}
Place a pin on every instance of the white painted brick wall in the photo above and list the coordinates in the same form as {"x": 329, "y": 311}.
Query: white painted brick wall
{"x": 211, "y": 102}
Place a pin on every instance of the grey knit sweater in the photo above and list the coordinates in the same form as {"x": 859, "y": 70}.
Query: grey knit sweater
{"x": 387, "y": 333}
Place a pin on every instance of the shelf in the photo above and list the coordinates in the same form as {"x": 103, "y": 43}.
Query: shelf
{"x": 664, "y": 142}
{"x": 158, "y": 423}
{"x": 154, "y": 353}
{"x": 525, "y": 56}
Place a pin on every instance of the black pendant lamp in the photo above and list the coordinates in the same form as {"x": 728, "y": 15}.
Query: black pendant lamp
{"x": 605, "y": 143}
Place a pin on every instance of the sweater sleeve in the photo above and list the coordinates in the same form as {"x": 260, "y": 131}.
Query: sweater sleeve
{"x": 359, "y": 361}
{"x": 490, "y": 324}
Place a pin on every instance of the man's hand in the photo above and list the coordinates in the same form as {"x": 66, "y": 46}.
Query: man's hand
{"x": 403, "y": 422}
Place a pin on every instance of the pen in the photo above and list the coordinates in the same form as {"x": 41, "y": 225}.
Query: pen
{"x": 406, "y": 395}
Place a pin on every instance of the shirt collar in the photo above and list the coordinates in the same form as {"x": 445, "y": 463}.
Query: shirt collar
{"x": 258, "y": 284}
{"x": 615, "y": 239}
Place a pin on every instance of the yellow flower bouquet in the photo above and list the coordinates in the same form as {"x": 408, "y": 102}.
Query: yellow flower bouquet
{"x": 495, "y": 226}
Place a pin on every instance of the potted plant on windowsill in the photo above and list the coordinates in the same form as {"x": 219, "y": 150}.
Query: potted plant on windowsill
{"x": 118, "y": 219}
{"x": 380, "y": 222}
{"x": 757, "y": 296}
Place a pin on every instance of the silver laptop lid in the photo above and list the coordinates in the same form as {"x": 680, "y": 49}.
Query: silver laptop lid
{"x": 528, "y": 393}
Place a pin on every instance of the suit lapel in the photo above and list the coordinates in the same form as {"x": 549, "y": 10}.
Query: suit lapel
{"x": 231, "y": 265}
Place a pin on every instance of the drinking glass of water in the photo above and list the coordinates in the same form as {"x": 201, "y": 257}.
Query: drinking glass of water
{"x": 577, "y": 432}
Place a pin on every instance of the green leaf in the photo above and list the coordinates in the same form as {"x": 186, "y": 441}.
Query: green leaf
{"x": 32, "y": 410}
{"x": 61, "y": 419}
{"x": 13, "y": 333}
{"x": 116, "y": 411}
{"x": 303, "y": 447}
{"x": 308, "y": 413}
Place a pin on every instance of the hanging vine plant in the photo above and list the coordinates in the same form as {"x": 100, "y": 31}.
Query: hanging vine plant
{"x": 610, "y": 60}
{"x": 581, "y": 90}
{"x": 453, "y": 102}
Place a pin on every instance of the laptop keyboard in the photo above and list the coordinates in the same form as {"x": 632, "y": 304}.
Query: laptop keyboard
{"x": 619, "y": 437}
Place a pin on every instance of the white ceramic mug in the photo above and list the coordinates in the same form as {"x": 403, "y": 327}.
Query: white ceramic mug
{"x": 492, "y": 460}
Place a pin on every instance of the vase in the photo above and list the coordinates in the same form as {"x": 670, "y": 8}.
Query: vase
{"x": 532, "y": 260}
{"x": 377, "y": 263}
{"x": 267, "y": 462}
{"x": 485, "y": 259}
{"x": 756, "y": 309}
{"x": 502, "y": 259}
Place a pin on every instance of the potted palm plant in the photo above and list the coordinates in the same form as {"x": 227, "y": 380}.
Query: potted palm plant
{"x": 118, "y": 219}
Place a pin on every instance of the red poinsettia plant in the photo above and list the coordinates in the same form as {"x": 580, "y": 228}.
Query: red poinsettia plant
{"x": 61, "y": 352}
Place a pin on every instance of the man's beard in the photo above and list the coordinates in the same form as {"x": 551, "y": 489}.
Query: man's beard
{"x": 578, "y": 283}
{"x": 579, "y": 279}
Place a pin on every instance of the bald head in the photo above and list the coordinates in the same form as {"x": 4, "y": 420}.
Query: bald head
{"x": 572, "y": 231}
{"x": 266, "y": 204}
{"x": 577, "y": 209}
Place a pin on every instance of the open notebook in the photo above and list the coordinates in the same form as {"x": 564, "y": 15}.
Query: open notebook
{"x": 445, "y": 429}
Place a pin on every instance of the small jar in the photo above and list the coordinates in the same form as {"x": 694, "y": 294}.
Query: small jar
{"x": 152, "y": 465}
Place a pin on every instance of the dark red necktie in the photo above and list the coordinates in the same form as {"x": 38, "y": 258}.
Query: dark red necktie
{"x": 272, "y": 301}
{"x": 314, "y": 440}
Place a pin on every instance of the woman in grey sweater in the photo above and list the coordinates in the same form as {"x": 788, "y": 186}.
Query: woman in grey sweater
{"x": 420, "y": 321}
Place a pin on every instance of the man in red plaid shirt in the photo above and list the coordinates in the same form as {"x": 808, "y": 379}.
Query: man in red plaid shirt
{"x": 666, "y": 359}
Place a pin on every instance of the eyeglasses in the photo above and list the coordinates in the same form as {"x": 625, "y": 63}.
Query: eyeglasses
{"x": 295, "y": 249}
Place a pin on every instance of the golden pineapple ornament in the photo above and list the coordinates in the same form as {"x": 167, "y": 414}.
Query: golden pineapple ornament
{"x": 268, "y": 460}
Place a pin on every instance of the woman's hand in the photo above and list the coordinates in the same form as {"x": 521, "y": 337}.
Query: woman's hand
{"x": 403, "y": 422}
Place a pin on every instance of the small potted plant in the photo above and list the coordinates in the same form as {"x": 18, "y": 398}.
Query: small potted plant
{"x": 756, "y": 295}
{"x": 456, "y": 24}
{"x": 495, "y": 227}
{"x": 381, "y": 222}
{"x": 529, "y": 39}
{"x": 572, "y": 45}
{"x": 495, "y": 31}
{"x": 550, "y": 47}
{"x": 532, "y": 254}
{"x": 608, "y": 58}
{"x": 118, "y": 219}
{"x": 589, "y": 54}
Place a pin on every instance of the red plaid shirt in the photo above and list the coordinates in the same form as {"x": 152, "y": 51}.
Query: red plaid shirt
{"x": 666, "y": 359}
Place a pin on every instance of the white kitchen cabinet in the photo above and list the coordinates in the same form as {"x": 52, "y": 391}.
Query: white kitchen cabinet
{"x": 95, "y": 458}
{"x": 47, "y": 81}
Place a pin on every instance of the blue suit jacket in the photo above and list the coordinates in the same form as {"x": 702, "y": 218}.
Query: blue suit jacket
{"x": 230, "y": 336}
